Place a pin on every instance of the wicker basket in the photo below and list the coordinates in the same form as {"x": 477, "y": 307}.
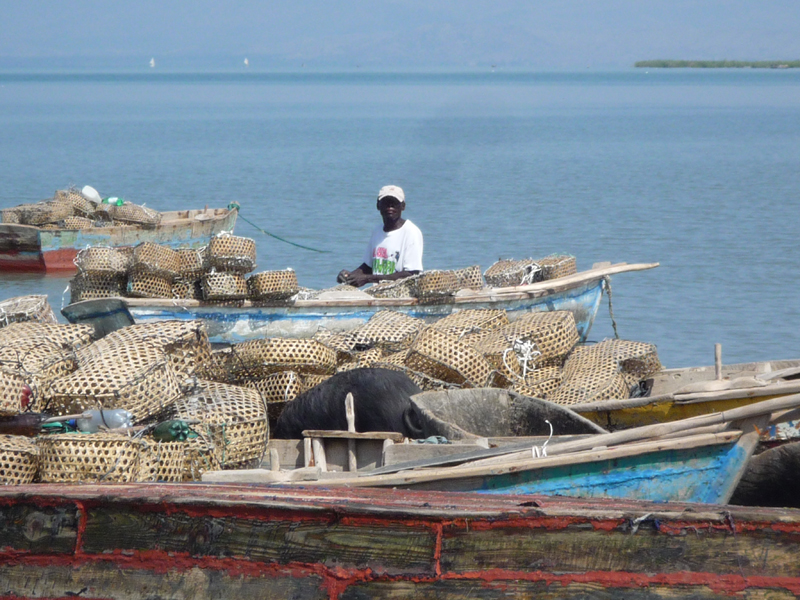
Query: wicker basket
{"x": 26, "y": 308}
{"x": 231, "y": 253}
{"x": 27, "y": 334}
{"x": 240, "y": 445}
{"x": 106, "y": 457}
{"x": 402, "y": 288}
{"x": 103, "y": 260}
{"x": 200, "y": 456}
{"x": 81, "y": 205}
{"x": 393, "y": 331}
{"x": 273, "y": 285}
{"x": 192, "y": 262}
{"x": 469, "y": 278}
{"x": 12, "y": 386}
{"x": 161, "y": 461}
{"x": 19, "y": 460}
{"x": 472, "y": 321}
{"x": 442, "y": 356}
{"x": 134, "y": 214}
{"x": 76, "y": 223}
{"x": 539, "y": 383}
{"x": 278, "y": 389}
{"x": 42, "y": 213}
{"x": 256, "y": 359}
{"x": 147, "y": 285}
{"x": 436, "y": 284}
{"x": 156, "y": 260}
{"x": 511, "y": 272}
{"x": 557, "y": 265}
{"x": 224, "y": 286}
{"x": 553, "y": 334}
{"x": 10, "y": 216}
{"x": 88, "y": 286}
{"x": 187, "y": 289}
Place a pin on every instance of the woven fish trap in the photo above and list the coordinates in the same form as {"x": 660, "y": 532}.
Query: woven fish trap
{"x": 363, "y": 359}
{"x": 10, "y": 216}
{"x": 156, "y": 259}
{"x": 135, "y": 214}
{"x": 469, "y": 278}
{"x": 39, "y": 363}
{"x": 26, "y": 308}
{"x": 440, "y": 355}
{"x": 200, "y": 456}
{"x": 273, "y": 285}
{"x": 161, "y": 461}
{"x": 76, "y": 223}
{"x": 224, "y": 286}
{"x": 138, "y": 378}
{"x": 278, "y": 389}
{"x": 103, "y": 260}
{"x": 19, "y": 460}
{"x": 218, "y": 367}
{"x": 471, "y": 321}
{"x": 553, "y": 334}
{"x": 81, "y": 205}
{"x": 436, "y": 284}
{"x": 557, "y": 265}
{"x": 89, "y": 286}
{"x": 343, "y": 342}
{"x": 187, "y": 289}
{"x": 11, "y": 388}
{"x": 401, "y": 288}
{"x": 147, "y": 285}
{"x": 312, "y": 380}
{"x": 42, "y": 213}
{"x": 638, "y": 360}
{"x": 217, "y": 403}
{"x": 240, "y": 445}
{"x": 191, "y": 262}
{"x": 388, "y": 329}
{"x": 540, "y": 383}
{"x": 510, "y": 272}
{"x": 231, "y": 253}
{"x": 56, "y": 335}
{"x": 106, "y": 457}
{"x": 255, "y": 359}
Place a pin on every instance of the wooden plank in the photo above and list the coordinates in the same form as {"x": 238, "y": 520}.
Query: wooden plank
{"x": 29, "y": 527}
{"x": 353, "y": 435}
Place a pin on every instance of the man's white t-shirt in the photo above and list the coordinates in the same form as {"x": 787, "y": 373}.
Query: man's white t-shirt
{"x": 392, "y": 251}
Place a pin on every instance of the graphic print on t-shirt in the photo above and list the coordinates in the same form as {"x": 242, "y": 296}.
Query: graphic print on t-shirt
{"x": 382, "y": 263}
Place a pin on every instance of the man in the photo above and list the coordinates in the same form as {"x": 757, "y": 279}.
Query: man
{"x": 395, "y": 248}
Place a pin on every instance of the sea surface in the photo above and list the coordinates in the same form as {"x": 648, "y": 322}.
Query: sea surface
{"x": 696, "y": 170}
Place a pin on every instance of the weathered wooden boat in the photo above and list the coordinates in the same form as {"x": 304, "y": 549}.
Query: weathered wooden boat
{"x": 580, "y": 293}
{"x": 205, "y": 541}
{"x": 674, "y": 394}
{"x": 31, "y": 248}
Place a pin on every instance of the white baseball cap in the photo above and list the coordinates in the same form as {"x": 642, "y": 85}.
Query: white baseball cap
{"x": 392, "y": 191}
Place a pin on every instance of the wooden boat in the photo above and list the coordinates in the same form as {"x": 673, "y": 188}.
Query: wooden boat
{"x": 206, "y": 541}
{"x": 674, "y": 394}
{"x": 31, "y": 248}
{"x": 580, "y": 293}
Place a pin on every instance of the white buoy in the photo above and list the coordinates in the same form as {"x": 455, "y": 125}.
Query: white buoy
{"x": 246, "y": 62}
{"x": 90, "y": 193}
{"x": 152, "y": 62}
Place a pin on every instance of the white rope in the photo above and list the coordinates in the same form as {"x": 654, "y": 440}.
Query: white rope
{"x": 526, "y": 352}
{"x": 538, "y": 452}
{"x": 64, "y": 293}
{"x": 288, "y": 385}
{"x": 530, "y": 276}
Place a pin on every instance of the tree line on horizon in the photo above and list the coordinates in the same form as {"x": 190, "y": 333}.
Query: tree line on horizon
{"x": 718, "y": 64}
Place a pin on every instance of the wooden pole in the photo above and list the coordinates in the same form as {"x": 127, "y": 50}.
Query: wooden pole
{"x": 718, "y": 361}
{"x": 319, "y": 454}
{"x": 350, "y": 415}
{"x": 308, "y": 456}
{"x": 274, "y": 460}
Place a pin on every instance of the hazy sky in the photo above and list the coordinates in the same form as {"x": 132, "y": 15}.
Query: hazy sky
{"x": 371, "y": 34}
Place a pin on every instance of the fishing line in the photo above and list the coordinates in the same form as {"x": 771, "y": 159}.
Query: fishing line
{"x": 265, "y": 232}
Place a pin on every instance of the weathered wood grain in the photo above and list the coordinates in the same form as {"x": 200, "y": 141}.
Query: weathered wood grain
{"x": 383, "y": 546}
{"x": 31, "y": 528}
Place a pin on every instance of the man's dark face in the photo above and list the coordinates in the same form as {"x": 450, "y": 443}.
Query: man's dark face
{"x": 391, "y": 209}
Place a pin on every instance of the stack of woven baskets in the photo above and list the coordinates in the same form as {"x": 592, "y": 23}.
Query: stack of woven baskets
{"x": 70, "y": 209}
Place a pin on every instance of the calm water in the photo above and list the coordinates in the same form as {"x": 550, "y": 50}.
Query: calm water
{"x": 697, "y": 170}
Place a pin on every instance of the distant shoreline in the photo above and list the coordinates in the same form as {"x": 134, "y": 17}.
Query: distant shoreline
{"x": 718, "y": 64}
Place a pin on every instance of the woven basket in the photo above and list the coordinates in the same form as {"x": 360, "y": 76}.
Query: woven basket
{"x": 278, "y": 389}
{"x": 88, "y": 286}
{"x": 103, "y": 260}
{"x": 213, "y": 402}
{"x": 511, "y": 272}
{"x": 44, "y": 212}
{"x": 557, "y": 265}
{"x": 469, "y": 278}
{"x": 11, "y": 216}
{"x": 200, "y": 456}
{"x": 191, "y": 262}
{"x": 312, "y": 380}
{"x": 440, "y": 355}
{"x": 436, "y": 284}
{"x": 553, "y": 333}
{"x": 11, "y": 389}
{"x": 27, "y": 334}
{"x": 161, "y": 461}
{"x": 256, "y": 359}
{"x": 402, "y": 288}
{"x": 231, "y": 253}
{"x": 156, "y": 260}
{"x": 393, "y": 331}
{"x": 187, "y": 289}
{"x": 224, "y": 286}
{"x": 147, "y": 285}
{"x": 540, "y": 383}
{"x": 105, "y": 457}
{"x": 472, "y": 321}
{"x": 76, "y": 223}
{"x": 19, "y": 460}
{"x": 81, "y": 205}
{"x": 240, "y": 445}
{"x": 26, "y": 308}
{"x": 273, "y": 285}
{"x": 133, "y": 213}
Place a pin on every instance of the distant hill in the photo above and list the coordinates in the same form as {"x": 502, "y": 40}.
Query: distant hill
{"x": 718, "y": 64}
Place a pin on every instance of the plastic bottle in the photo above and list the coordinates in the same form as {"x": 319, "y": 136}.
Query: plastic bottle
{"x": 114, "y": 418}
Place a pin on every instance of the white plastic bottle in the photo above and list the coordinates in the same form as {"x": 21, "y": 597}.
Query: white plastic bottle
{"x": 114, "y": 418}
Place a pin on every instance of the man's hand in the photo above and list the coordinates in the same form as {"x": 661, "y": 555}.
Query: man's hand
{"x": 358, "y": 279}
{"x": 342, "y": 276}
